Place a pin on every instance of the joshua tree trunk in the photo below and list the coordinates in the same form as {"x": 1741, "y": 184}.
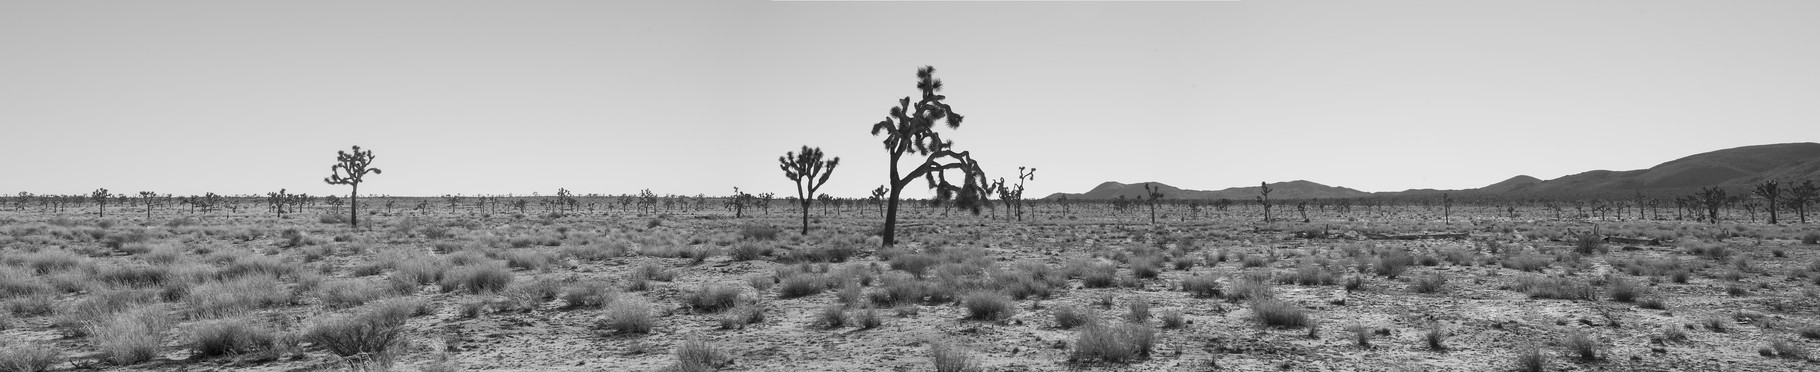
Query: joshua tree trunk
{"x": 890, "y": 233}
{"x": 353, "y": 207}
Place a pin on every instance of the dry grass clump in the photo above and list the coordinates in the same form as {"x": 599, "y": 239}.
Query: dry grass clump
{"x": 712, "y": 298}
{"x": 1530, "y": 359}
{"x": 1274, "y": 313}
{"x": 694, "y": 355}
{"x": 1554, "y": 288}
{"x": 1431, "y": 283}
{"x": 1116, "y": 343}
{"x": 589, "y": 294}
{"x": 342, "y": 294}
{"x": 1624, "y": 290}
{"x": 1582, "y": 345}
{"x": 28, "y": 357}
{"x": 229, "y": 336}
{"x": 235, "y": 296}
{"x": 484, "y": 278}
{"x": 1202, "y": 286}
{"x": 987, "y": 306}
{"x": 741, "y": 316}
{"x": 132, "y": 337}
{"x": 800, "y": 285}
{"x": 627, "y": 315}
{"x": 1529, "y": 262}
{"x": 949, "y": 358}
{"x": 1392, "y": 264}
{"x": 359, "y": 339}
{"x": 1070, "y": 316}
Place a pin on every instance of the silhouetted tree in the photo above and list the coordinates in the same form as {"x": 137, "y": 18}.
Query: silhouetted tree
{"x": 878, "y": 199}
{"x": 1264, "y": 199}
{"x": 1152, "y": 193}
{"x": 147, "y": 198}
{"x": 910, "y": 128}
{"x": 803, "y": 170}
{"x": 764, "y": 201}
{"x": 1771, "y": 193}
{"x": 350, "y": 169}
{"x": 1800, "y": 196}
{"x": 100, "y": 195}
{"x": 738, "y": 201}
{"x": 277, "y": 200}
{"x": 1712, "y": 198}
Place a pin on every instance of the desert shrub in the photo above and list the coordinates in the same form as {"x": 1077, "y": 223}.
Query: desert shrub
{"x": 1146, "y": 267}
{"x": 748, "y": 250}
{"x": 238, "y": 295}
{"x": 1530, "y": 359}
{"x": 1431, "y": 283}
{"x": 476, "y": 279}
{"x": 1673, "y": 334}
{"x": 627, "y": 315}
{"x": 800, "y": 285}
{"x": 1361, "y": 335}
{"x": 1116, "y": 342}
{"x": 949, "y": 358}
{"x": 80, "y": 317}
{"x": 1810, "y": 332}
{"x": 1737, "y": 289}
{"x": 1099, "y": 276}
{"x": 1202, "y": 286}
{"x": 50, "y": 261}
{"x": 1183, "y": 262}
{"x": 1623, "y": 290}
{"x": 1527, "y": 262}
{"x": 655, "y": 272}
{"x": 1308, "y": 274}
{"x": 1274, "y": 313}
{"x": 341, "y": 294}
{"x": 1555, "y": 288}
{"x": 915, "y": 264}
{"x": 259, "y": 265}
{"x": 831, "y": 317}
{"x": 229, "y": 336}
{"x": 1652, "y": 302}
{"x": 739, "y": 317}
{"x": 1253, "y": 261}
{"x": 28, "y": 357}
{"x": 1172, "y": 319}
{"x": 1582, "y": 345}
{"x": 697, "y": 356}
{"x": 1785, "y": 349}
{"x": 393, "y": 311}
{"x": 1715, "y": 324}
{"x": 1456, "y": 256}
{"x": 1588, "y": 243}
{"x": 38, "y": 304}
{"x": 1436, "y": 337}
{"x": 528, "y": 260}
{"x": 867, "y": 319}
{"x": 987, "y": 306}
{"x": 1138, "y": 311}
{"x": 588, "y": 294}
{"x": 1354, "y": 283}
{"x": 420, "y": 270}
{"x": 1811, "y": 238}
{"x": 357, "y": 338}
{"x": 1247, "y": 289}
{"x": 1070, "y": 316}
{"x": 712, "y": 298}
{"x": 1715, "y": 252}
{"x": 1393, "y": 263}
{"x": 132, "y": 275}
{"x": 758, "y": 232}
{"x": 131, "y": 337}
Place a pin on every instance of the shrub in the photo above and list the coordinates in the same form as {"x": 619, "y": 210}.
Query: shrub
{"x": 1673, "y": 334}
{"x": 341, "y": 294}
{"x": 1070, "y": 316}
{"x": 1172, "y": 319}
{"x": 1652, "y": 302}
{"x": 1354, "y": 283}
{"x": 758, "y": 232}
{"x": 1431, "y": 283}
{"x": 39, "y": 304}
{"x": 1253, "y": 261}
{"x": 747, "y": 251}
{"x": 868, "y": 319}
{"x": 589, "y": 294}
{"x": 535, "y": 261}
{"x": 1146, "y": 267}
{"x": 831, "y": 317}
{"x": 132, "y": 337}
{"x": 915, "y": 264}
{"x": 1580, "y": 344}
{"x": 79, "y": 318}
{"x": 1183, "y": 263}
{"x": 1736, "y": 289}
{"x": 712, "y": 298}
{"x": 627, "y": 315}
{"x": 1588, "y": 244}
{"x": 229, "y": 336}
{"x": 1530, "y": 360}
{"x": 1202, "y": 286}
{"x": 1308, "y": 274}
{"x": 654, "y": 272}
{"x": 1527, "y": 262}
{"x": 1393, "y": 263}
{"x": 1811, "y": 238}
{"x": 987, "y": 306}
{"x": 1809, "y": 332}
{"x": 1099, "y": 276}
{"x": 1789, "y": 350}
{"x": 132, "y": 276}
{"x": 1248, "y": 289}
{"x": 800, "y": 285}
{"x": 477, "y": 279}
{"x": 1555, "y": 288}
{"x": 393, "y": 311}
{"x": 256, "y": 265}
{"x": 948, "y": 358}
{"x": 739, "y": 317}
{"x": 1361, "y": 335}
{"x": 695, "y": 355}
{"x": 1117, "y": 343}
{"x": 239, "y": 295}
{"x": 1623, "y": 290}
{"x": 1139, "y": 311}
{"x": 28, "y": 357}
{"x": 1436, "y": 337}
{"x": 357, "y": 338}
{"x": 1273, "y": 313}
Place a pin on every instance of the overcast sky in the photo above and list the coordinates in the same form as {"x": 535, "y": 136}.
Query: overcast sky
{"x": 690, "y": 98}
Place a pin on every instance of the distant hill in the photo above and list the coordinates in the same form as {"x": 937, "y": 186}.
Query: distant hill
{"x": 1734, "y": 168}
{"x": 1286, "y": 190}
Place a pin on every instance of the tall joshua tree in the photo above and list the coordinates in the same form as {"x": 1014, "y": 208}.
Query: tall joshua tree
{"x": 349, "y": 169}
{"x": 909, "y": 129}
{"x": 804, "y": 169}
{"x": 1800, "y": 196}
{"x": 1264, "y": 198}
{"x": 1152, "y": 194}
{"x": 1771, "y": 193}
{"x": 100, "y": 195}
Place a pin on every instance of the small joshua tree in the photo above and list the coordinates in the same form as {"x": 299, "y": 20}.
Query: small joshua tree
{"x": 1712, "y": 198}
{"x": 1446, "y": 210}
{"x": 349, "y": 169}
{"x": 803, "y": 170}
{"x": 878, "y": 199}
{"x": 1771, "y": 193}
{"x": 1152, "y": 193}
{"x": 147, "y": 198}
{"x": 1264, "y": 199}
{"x": 100, "y": 195}
{"x": 910, "y": 129}
{"x": 277, "y": 200}
{"x": 764, "y": 201}
{"x": 739, "y": 201}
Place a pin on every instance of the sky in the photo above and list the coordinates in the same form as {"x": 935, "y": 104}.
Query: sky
{"x": 687, "y": 97}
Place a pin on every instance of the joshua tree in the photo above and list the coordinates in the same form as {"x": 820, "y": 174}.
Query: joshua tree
{"x": 738, "y": 201}
{"x": 1264, "y": 199}
{"x": 878, "y": 199}
{"x": 277, "y": 200}
{"x": 1446, "y": 210}
{"x": 910, "y": 129}
{"x": 1800, "y": 196}
{"x": 764, "y": 201}
{"x": 803, "y": 170}
{"x": 647, "y": 200}
{"x": 100, "y": 195}
{"x": 1712, "y": 198}
{"x": 1771, "y": 193}
{"x": 1152, "y": 194}
{"x": 1301, "y": 206}
{"x": 1013, "y": 195}
{"x": 349, "y": 169}
{"x": 334, "y": 203}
